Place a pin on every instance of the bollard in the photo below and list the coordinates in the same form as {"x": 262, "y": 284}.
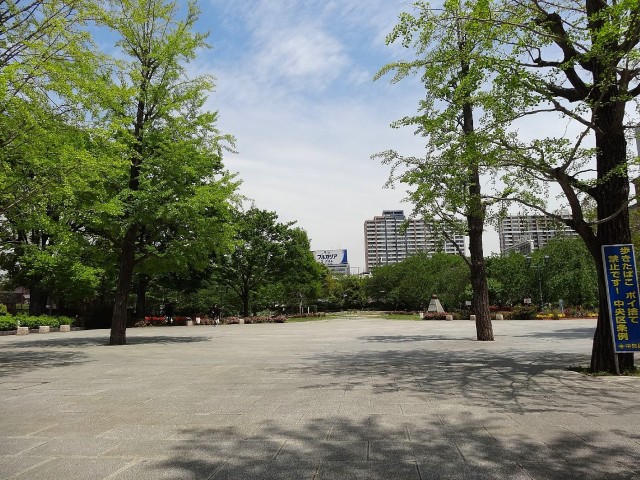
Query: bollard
{"x": 449, "y": 317}
{"x": 499, "y": 316}
{"x": 189, "y": 323}
{"x": 65, "y": 328}
{"x": 241, "y": 321}
{"x": 472, "y": 318}
{"x": 23, "y": 331}
{"x": 44, "y": 329}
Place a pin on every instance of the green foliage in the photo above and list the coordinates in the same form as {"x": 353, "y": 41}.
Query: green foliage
{"x": 411, "y": 283}
{"x": 35, "y": 321}
{"x": 344, "y": 292}
{"x": 65, "y": 320}
{"x": 563, "y": 269}
{"x": 3, "y": 309}
{"x": 569, "y": 274}
{"x": 271, "y": 264}
{"x": 510, "y": 280}
{"x": 523, "y": 312}
{"x": 8, "y": 322}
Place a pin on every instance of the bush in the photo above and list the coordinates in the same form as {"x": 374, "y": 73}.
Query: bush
{"x": 37, "y": 321}
{"x": 3, "y": 309}
{"x": 65, "y": 320}
{"x": 48, "y": 321}
{"x": 301, "y": 315}
{"x": 400, "y": 312}
{"x": 8, "y": 322}
{"x": 523, "y": 312}
{"x": 437, "y": 315}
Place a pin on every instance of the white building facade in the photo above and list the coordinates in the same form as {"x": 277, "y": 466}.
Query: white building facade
{"x": 386, "y": 243}
{"x": 534, "y": 230}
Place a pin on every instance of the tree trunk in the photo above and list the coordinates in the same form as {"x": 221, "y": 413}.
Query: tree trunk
{"x": 480, "y": 301}
{"x": 611, "y": 196}
{"x": 141, "y": 296}
{"x": 125, "y": 274}
{"x": 245, "y": 305}
{"x": 37, "y": 300}
{"x": 475, "y": 225}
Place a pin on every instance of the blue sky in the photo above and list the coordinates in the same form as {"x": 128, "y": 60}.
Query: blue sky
{"x": 294, "y": 86}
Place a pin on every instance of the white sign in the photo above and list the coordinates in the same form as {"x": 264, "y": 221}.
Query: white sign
{"x": 331, "y": 257}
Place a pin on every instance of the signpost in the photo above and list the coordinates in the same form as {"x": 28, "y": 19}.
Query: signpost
{"x": 623, "y": 295}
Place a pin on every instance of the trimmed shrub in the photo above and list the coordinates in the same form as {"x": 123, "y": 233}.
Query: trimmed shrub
{"x": 523, "y": 312}
{"x": 37, "y": 321}
{"x": 8, "y": 322}
{"x": 65, "y": 320}
{"x": 3, "y": 309}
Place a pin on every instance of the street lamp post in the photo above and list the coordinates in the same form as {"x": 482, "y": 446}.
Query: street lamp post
{"x": 538, "y": 267}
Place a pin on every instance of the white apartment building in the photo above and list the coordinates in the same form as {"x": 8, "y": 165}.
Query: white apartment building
{"x": 384, "y": 242}
{"x": 533, "y": 230}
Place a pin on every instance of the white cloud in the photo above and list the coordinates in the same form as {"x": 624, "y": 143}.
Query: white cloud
{"x": 303, "y": 58}
{"x": 295, "y": 89}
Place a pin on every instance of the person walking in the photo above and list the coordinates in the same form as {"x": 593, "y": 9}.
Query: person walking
{"x": 216, "y": 314}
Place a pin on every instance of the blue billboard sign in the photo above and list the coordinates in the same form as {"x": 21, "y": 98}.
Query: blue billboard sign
{"x": 622, "y": 292}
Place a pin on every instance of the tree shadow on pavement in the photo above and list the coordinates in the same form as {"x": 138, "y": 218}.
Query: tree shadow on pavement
{"x": 102, "y": 340}
{"x": 335, "y": 448}
{"x": 580, "y": 332}
{"x": 412, "y": 338}
{"x": 15, "y": 362}
{"x": 513, "y": 381}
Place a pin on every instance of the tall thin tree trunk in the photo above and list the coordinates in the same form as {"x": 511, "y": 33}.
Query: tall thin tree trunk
{"x": 479, "y": 284}
{"x": 37, "y": 300}
{"x": 125, "y": 274}
{"x": 141, "y": 296}
{"x": 611, "y": 196}
{"x": 475, "y": 224}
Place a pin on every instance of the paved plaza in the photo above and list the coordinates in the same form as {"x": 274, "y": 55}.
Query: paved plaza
{"x": 330, "y": 399}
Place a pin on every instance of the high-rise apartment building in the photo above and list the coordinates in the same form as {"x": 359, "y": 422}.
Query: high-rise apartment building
{"x": 385, "y": 242}
{"x": 532, "y": 230}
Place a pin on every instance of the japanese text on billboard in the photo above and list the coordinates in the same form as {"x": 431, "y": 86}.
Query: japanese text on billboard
{"x": 622, "y": 291}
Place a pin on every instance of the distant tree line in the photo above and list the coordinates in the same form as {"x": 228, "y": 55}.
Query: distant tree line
{"x": 562, "y": 270}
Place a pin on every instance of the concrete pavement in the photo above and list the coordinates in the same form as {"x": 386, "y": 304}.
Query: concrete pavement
{"x": 331, "y": 399}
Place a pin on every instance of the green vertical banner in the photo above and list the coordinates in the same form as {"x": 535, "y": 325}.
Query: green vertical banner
{"x": 622, "y": 292}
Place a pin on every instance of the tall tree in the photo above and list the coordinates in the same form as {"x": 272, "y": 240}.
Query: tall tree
{"x": 172, "y": 179}
{"x": 47, "y": 72}
{"x": 451, "y": 45}
{"x": 267, "y": 254}
{"x": 578, "y": 61}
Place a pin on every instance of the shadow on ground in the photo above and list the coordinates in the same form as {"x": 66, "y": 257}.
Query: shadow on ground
{"x": 412, "y": 338}
{"x": 341, "y": 448}
{"x": 13, "y": 362}
{"x": 581, "y": 332}
{"x": 71, "y": 342}
{"x": 512, "y": 380}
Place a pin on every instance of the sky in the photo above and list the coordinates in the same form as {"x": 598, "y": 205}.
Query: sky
{"x": 294, "y": 85}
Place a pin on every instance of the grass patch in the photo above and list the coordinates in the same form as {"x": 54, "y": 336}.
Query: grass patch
{"x": 307, "y": 319}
